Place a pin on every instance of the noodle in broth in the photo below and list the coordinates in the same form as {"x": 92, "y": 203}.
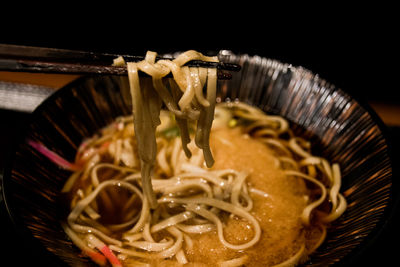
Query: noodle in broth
{"x": 148, "y": 195}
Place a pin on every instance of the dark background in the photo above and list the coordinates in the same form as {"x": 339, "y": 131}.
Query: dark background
{"x": 361, "y": 64}
{"x": 354, "y": 49}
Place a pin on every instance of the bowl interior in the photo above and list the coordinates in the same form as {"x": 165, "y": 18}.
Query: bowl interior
{"x": 343, "y": 131}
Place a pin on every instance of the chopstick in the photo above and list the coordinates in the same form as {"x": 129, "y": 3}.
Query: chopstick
{"x": 24, "y": 65}
{"x": 53, "y": 60}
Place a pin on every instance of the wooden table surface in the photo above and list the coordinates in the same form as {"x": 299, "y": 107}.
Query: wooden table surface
{"x": 389, "y": 113}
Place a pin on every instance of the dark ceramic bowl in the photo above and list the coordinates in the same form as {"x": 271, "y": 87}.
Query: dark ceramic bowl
{"x": 344, "y": 131}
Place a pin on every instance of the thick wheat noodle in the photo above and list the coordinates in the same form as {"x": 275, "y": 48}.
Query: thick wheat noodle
{"x": 234, "y": 262}
{"x": 292, "y": 261}
{"x": 193, "y": 204}
{"x": 99, "y": 259}
{"x": 196, "y": 229}
{"x": 152, "y": 245}
{"x": 189, "y": 198}
{"x": 167, "y": 253}
{"x": 146, "y": 107}
{"x": 181, "y": 122}
{"x": 306, "y": 216}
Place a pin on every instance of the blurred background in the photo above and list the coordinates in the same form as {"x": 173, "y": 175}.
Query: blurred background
{"x": 357, "y": 57}
{"x": 355, "y": 49}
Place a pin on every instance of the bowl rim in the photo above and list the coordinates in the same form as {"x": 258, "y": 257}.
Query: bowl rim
{"x": 33, "y": 245}
{"x": 348, "y": 260}
{"x": 393, "y": 203}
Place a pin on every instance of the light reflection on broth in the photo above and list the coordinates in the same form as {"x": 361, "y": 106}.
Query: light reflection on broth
{"x": 278, "y": 214}
{"x": 161, "y": 189}
{"x": 278, "y": 200}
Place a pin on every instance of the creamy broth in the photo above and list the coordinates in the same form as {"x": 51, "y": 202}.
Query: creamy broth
{"x": 281, "y": 196}
{"x": 200, "y": 184}
{"x": 278, "y": 213}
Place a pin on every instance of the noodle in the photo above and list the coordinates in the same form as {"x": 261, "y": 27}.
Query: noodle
{"x": 152, "y": 198}
{"x": 146, "y": 107}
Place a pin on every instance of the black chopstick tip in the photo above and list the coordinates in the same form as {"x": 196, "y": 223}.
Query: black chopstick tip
{"x": 229, "y": 66}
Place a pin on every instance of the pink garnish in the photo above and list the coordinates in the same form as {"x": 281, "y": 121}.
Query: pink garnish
{"x": 54, "y": 157}
{"x": 97, "y": 257}
{"x": 94, "y": 241}
{"x": 110, "y": 256}
{"x": 85, "y": 155}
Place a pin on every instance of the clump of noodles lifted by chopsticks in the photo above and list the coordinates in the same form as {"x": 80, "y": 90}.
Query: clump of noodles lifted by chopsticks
{"x": 182, "y": 95}
{"x": 284, "y": 193}
{"x": 266, "y": 191}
